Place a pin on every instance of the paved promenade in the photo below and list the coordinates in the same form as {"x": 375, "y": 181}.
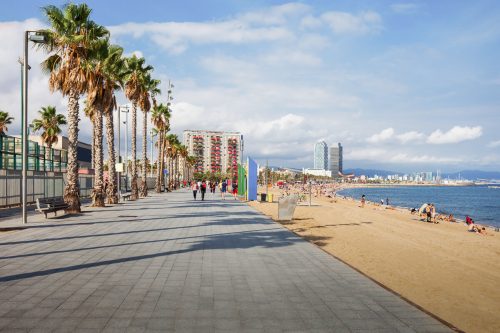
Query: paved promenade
{"x": 167, "y": 263}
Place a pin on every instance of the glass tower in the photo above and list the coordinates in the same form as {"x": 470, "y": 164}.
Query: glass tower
{"x": 336, "y": 160}
{"x": 321, "y": 155}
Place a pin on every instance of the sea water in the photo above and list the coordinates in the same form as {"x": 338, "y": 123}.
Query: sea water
{"x": 482, "y": 203}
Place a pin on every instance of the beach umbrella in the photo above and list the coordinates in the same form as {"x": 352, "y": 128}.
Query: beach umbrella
{"x": 422, "y": 208}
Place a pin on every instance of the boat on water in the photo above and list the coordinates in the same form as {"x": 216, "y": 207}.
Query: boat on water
{"x": 493, "y": 186}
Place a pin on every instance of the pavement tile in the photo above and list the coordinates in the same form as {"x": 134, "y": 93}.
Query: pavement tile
{"x": 213, "y": 266}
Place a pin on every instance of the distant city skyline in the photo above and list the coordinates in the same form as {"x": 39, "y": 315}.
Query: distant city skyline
{"x": 404, "y": 85}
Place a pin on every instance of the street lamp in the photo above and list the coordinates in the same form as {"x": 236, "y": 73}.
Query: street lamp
{"x": 125, "y": 109}
{"x": 36, "y": 38}
{"x": 152, "y": 147}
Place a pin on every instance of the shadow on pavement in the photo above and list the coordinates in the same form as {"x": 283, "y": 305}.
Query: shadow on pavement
{"x": 267, "y": 238}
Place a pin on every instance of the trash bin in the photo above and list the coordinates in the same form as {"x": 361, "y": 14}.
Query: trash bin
{"x": 263, "y": 197}
{"x": 270, "y": 197}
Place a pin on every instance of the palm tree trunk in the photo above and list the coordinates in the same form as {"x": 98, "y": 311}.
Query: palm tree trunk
{"x": 159, "y": 169}
{"x": 72, "y": 189}
{"x": 111, "y": 191}
{"x": 98, "y": 191}
{"x": 92, "y": 148}
{"x": 176, "y": 175}
{"x": 144, "y": 184}
{"x": 134, "y": 195}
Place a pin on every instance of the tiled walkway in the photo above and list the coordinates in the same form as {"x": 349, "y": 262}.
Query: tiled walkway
{"x": 167, "y": 263}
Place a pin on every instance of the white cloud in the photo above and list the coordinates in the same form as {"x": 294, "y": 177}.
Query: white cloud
{"x": 410, "y": 159}
{"x": 404, "y": 8}
{"x": 494, "y": 144}
{"x": 455, "y": 135}
{"x": 390, "y": 156}
{"x": 252, "y": 27}
{"x": 412, "y": 136}
{"x": 310, "y": 22}
{"x": 364, "y": 154}
{"x": 384, "y": 135}
{"x": 346, "y": 23}
{"x": 137, "y": 53}
{"x": 12, "y": 37}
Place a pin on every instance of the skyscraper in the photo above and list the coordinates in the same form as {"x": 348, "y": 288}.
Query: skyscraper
{"x": 336, "y": 160}
{"x": 320, "y": 155}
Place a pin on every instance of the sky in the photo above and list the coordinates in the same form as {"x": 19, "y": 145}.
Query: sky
{"x": 403, "y": 85}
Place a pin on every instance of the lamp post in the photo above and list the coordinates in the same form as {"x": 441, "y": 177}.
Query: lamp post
{"x": 24, "y": 179}
{"x": 125, "y": 109}
{"x": 152, "y": 147}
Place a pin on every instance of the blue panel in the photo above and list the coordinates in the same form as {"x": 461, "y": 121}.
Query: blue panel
{"x": 252, "y": 179}
{"x": 83, "y": 154}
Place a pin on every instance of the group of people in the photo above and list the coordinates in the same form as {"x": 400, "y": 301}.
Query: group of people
{"x": 202, "y": 186}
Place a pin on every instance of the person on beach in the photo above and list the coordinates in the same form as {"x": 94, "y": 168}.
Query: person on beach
{"x": 433, "y": 213}
{"x": 428, "y": 213}
{"x": 203, "y": 189}
{"x": 223, "y": 189}
{"x": 194, "y": 188}
{"x": 381, "y": 202}
{"x": 387, "y": 201}
{"x": 363, "y": 201}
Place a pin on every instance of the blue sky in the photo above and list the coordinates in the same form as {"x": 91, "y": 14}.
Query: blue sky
{"x": 404, "y": 85}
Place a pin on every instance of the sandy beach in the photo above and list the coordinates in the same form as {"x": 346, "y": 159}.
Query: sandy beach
{"x": 442, "y": 268}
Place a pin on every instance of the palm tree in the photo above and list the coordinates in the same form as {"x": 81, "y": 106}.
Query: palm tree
{"x": 99, "y": 96}
{"x": 115, "y": 72}
{"x": 160, "y": 117}
{"x": 5, "y": 120}
{"x": 71, "y": 35}
{"x": 183, "y": 153}
{"x": 134, "y": 90}
{"x": 50, "y": 122}
{"x": 151, "y": 90}
{"x": 171, "y": 146}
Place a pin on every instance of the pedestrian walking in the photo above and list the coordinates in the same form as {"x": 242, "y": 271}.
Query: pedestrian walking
{"x": 203, "y": 189}
{"x": 194, "y": 188}
{"x": 235, "y": 190}
{"x": 223, "y": 189}
{"x": 363, "y": 201}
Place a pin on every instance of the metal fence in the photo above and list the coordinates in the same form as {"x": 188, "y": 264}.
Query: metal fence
{"x": 40, "y": 185}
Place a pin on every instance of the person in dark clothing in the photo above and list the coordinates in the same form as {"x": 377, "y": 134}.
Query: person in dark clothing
{"x": 203, "y": 190}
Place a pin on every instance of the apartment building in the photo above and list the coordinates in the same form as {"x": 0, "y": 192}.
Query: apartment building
{"x": 214, "y": 151}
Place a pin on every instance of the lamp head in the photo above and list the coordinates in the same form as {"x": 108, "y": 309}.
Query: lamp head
{"x": 37, "y": 38}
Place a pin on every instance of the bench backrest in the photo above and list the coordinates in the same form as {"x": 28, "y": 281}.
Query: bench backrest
{"x": 49, "y": 201}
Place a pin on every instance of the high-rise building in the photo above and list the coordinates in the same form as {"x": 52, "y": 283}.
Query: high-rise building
{"x": 336, "y": 160}
{"x": 214, "y": 151}
{"x": 320, "y": 155}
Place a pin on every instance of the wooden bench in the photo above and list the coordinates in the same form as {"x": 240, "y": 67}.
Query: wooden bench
{"x": 126, "y": 196}
{"x": 49, "y": 205}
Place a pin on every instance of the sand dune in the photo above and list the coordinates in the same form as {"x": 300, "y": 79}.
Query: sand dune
{"x": 443, "y": 268}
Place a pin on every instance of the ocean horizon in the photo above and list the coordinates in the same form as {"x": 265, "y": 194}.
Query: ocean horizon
{"x": 482, "y": 203}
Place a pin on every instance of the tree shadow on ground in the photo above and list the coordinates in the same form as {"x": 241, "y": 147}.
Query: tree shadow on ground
{"x": 263, "y": 238}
